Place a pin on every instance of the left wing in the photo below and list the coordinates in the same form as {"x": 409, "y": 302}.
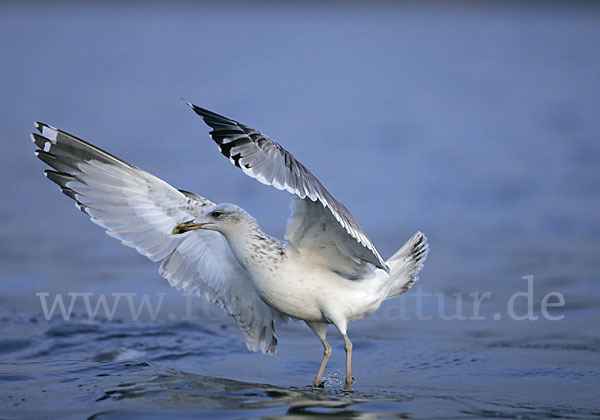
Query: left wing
{"x": 141, "y": 211}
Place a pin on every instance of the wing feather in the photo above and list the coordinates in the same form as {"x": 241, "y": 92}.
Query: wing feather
{"x": 141, "y": 210}
{"x": 268, "y": 162}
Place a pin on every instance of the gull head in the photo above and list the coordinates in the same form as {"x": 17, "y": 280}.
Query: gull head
{"x": 224, "y": 218}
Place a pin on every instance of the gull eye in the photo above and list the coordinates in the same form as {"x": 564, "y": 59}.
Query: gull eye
{"x": 216, "y": 214}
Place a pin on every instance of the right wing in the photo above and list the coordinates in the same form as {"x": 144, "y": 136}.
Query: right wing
{"x": 141, "y": 211}
{"x": 319, "y": 225}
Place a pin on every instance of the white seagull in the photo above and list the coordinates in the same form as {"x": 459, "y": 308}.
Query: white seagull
{"x": 326, "y": 271}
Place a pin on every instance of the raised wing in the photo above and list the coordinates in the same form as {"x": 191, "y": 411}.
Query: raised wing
{"x": 141, "y": 210}
{"x": 265, "y": 160}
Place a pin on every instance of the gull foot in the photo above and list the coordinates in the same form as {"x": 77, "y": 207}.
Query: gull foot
{"x": 318, "y": 384}
{"x": 348, "y": 384}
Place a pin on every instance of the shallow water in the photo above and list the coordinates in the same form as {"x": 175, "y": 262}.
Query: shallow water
{"x": 475, "y": 124}
{"x": 156, "y": 369}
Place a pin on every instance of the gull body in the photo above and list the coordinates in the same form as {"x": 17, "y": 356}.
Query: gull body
{"x": 325, "y": 271}
{"x": 289, "y": 281}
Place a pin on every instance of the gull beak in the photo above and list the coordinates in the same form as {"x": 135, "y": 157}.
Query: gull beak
{"x": 187, "y": 226}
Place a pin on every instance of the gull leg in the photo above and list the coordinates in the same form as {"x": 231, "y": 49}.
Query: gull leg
{"x": 349, "y": 377}
{"x": 341, "y": 324}
{"x": 320, "y": 329}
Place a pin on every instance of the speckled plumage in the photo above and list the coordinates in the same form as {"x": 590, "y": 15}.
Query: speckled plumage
{"x": 326, "y": 271}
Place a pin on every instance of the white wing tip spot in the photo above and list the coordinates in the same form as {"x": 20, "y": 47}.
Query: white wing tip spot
{"x": 47, "y": 131}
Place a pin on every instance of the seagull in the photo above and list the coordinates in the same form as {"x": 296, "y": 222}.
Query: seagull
{"x": 325, "y": 271}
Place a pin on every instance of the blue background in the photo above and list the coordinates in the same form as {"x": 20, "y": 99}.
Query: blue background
{"x": 474, "y": 122}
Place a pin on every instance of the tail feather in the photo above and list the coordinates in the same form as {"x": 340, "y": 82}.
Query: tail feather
{"x": 406, "y": 264}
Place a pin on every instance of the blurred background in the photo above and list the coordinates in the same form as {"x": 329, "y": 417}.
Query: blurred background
{"x": 474, "y": 122}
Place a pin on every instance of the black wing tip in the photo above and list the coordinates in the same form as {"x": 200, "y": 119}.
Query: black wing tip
{"x": 420, "y": 248}
{"x": 61, "y": 179}
{"x": 210, "y": 116}
{"x": 46, "y": 130}
{"x": 38, "y": 140}
{"x": 39, "y": 126}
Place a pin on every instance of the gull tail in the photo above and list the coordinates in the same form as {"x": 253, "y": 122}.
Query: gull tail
{"x": 405, "y": 265}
